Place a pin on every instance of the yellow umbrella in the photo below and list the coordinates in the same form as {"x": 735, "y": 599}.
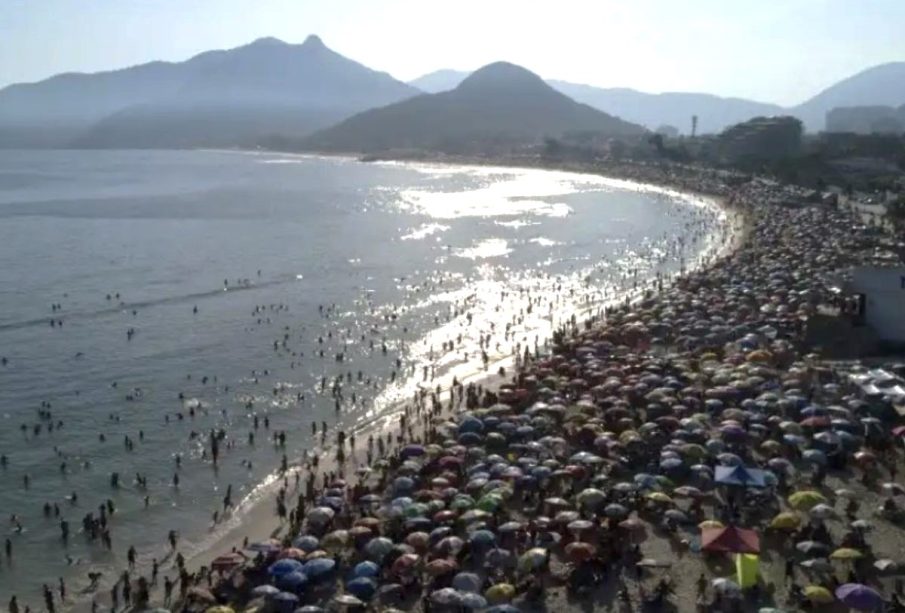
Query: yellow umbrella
{"x": 693, "y": 449}
{"x": 710, "y": 523}
{"x": 785, "y": 521}
{"x": 846, "y": 553}
{"x": 770, "y": 445}
{"x": 501, "y": 592}
{"x": 806, "y": 499}
{"x": 628, "y": 435}
{"x": 818, "y": 594}
{"x": 659, "y": 497}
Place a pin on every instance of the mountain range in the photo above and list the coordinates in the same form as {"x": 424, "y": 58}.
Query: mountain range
{"x": 879, "y": 85}
{"x": 500, "y": 105}
{"x": 247, "y": 95}
{"x": 217, "y": 98}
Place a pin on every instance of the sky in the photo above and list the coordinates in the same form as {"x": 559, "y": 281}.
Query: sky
{"x": 780, "y": 51}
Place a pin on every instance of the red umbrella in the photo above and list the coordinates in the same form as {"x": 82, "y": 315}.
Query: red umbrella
{"x": 730, "y": 539}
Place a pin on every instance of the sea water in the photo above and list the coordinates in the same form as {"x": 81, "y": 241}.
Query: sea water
{"x": 159, "y": 296}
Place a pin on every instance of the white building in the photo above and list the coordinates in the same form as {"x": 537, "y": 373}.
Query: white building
{"x": 883, "y": 291}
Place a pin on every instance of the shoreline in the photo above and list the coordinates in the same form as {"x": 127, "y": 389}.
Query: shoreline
{"x": 260, "y": 522}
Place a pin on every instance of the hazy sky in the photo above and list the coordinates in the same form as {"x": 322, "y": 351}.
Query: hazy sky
{"x": 772, "y": 50}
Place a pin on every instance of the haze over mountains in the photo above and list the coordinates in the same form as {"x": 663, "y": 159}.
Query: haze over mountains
{"x": 247, "y": 95}
{"x": 879, "y": 85}
{"x": 499, "y": 105}
{"x": 218, "y": 98}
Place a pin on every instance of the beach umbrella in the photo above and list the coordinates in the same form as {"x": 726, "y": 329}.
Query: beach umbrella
{"x": 818, "y": 564}
{"x": 859, "y": 596}
{"x": 632, "y": 523}
{"x": 467, "y": 582}
{"x": 470, "y": 600}
{"x": 533, "y": 559}
{"x": 591, "y": 498}
{"x": 217, "y": 609}
{"x": 885, "y": 565}
{"x": 659, "y": 497}
{"x": 362, "y": 587}
{"x": 501, "y": 592}
{"x": 710, "y": 524}
{"x": 348, "y": 600}
{"x": 615, "y": 510}
{"x": 818, "y": 594}
{"x": 286, "y": 601}
{"x": 405, "y": 563}
{"x": 292, "y": 582}
{"x": 365, "y": 569}
{"x": 726, "y": 587}
{"x": 319, "y": 567}
{"x": 805, "y": 500}
{"x": 482, "y": 538}
{"x": 284, "y": 567}
{"x": 441, "y": 567}
{"x": 227, "y": 561}
{"x": 786, "y": 521}
{"x": 378, "y": 548}
{"x": 265, "y": 590}
{"x": 450, "y": 545}
{"x": 320, "y": 516}
{"x": 811, "y": 548}
{"x": 861, "y": 524}
{"x": 579, "y": 551}
{"x": 265, "y": 547}
{"x": 510, "y": 526}
{"x": 822, "y": 511}
{"x": 687, "y": 491}
{"x": 846, "y": 553}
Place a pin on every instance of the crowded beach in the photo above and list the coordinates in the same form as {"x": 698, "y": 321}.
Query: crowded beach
{"x": 684, "y": 450}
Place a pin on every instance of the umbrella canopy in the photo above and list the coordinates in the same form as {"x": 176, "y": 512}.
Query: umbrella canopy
{"x": 730, "y": 539}
{"x": 806, "y": 499}
{"x": 846, "y": 553}
{"x": 741, "y": 476}
{"x": 818, "y": 594}
{"x": 859, "y": 596}
{"x": 284, "y": 567}
{"x": 785, "y": 521}
{"x": 362, "y": 587}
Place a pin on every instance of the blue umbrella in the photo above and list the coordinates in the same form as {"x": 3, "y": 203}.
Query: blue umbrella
{"x": 285, "y": 601}
{"x": 814, "y": 456}
{"x": 362, "y": 587}
{"x": 474, "y": 601}
{"x": 469, "y": 438}
{"x": 292, "y": 582}
{"x": 482, "y": 538}
{"x": 284, "y": 567}
{"x": 306, "y": 543}
{"x": 471, "y": 424}
{"x": 467, "y": 582}
{"x": 319, "y": 567}
{"x": 403, "y": 484}
{"x": 365, "y": 569}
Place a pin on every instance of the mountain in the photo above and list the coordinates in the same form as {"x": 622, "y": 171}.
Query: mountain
{"x": 217, "y": 98}
{"x": 882, "y": 85}
{"x": 439, "y": 80}
{"x": 670, "y": 108}
{"x": 496, "y": 107}
{"x": 650, "y": 110}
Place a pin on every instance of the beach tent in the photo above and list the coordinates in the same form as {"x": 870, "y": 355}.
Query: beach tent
{"x": 739, "y": 475}
{"x": 730, "y": 540}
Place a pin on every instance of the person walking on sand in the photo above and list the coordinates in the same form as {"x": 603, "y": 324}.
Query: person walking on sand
{"x": 171, "y": 537}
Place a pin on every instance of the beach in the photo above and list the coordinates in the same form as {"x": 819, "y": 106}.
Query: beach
{"x": 636, "y": 538}
{"x": 152, "y": 355}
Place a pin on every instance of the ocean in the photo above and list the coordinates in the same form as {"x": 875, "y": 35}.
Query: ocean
{"x": 148, "y": 298}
